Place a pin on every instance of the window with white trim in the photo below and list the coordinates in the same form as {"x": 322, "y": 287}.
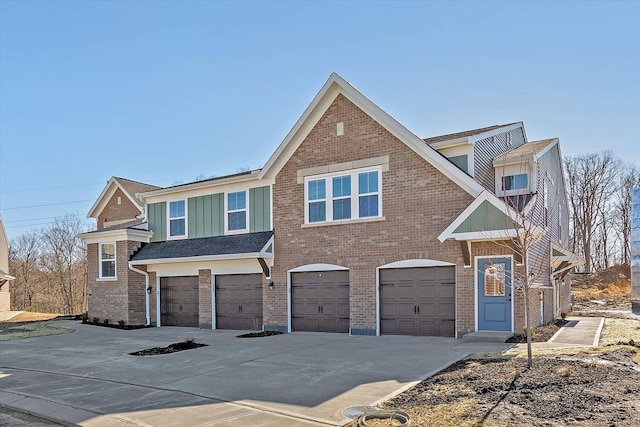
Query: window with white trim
{"x": 107, "y": 260}
{"x": 343, "y": 196}
{"x": 177, "y": 219}
{"x": 515, "y": 182}
{"x": 237, "y": 211}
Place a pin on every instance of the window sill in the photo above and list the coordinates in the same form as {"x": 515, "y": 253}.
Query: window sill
{"x": 232, "y": 232}
{"x": 107, "y": 279}
{"x": 349, "y": 221}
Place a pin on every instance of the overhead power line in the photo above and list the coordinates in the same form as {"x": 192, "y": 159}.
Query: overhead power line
{"x": 48, "y": 188}
{"x": 46, "y": 204}
{"x": 40, "y": 219}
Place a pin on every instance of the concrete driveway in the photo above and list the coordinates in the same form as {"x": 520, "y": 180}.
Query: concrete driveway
{"x": 297, "y": 379}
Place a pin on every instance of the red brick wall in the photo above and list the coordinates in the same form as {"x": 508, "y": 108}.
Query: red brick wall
{"x": 153, "y": 298}
{"x": 418, "y": 204}
{"x": 116, "y": 212}
{"x": 204, "y": 298}
{"x": 121, "y": 299}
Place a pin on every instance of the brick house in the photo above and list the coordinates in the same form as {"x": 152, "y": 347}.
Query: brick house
{"x": 354, "y": 225}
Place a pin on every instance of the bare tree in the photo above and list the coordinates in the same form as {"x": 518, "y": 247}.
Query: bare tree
{"x": 64, "y": 259}
{"x": 592, "y": 180}
{"x": 24, "y": 256}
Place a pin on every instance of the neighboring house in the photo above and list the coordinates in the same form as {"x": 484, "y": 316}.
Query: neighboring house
{"x": 5, "y": 278}
{"x": 353, "y": 225}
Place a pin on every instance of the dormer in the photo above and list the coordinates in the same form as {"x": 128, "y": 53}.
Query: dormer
{"x": 471, "y": 150}
{"x": 516, "y": 171}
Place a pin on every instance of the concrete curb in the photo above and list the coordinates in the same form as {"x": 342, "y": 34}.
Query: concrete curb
{"x": 596, "y": 338}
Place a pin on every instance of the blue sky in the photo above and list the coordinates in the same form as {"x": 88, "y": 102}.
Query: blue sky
{"x": 166, "y": 91}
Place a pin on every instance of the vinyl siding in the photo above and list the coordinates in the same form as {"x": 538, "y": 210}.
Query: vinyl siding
{"x": 157, "y": 217}
{"x": 487, "y": 149}
{"x": 557, "y": 201}
{"x": 206, "y": 216}
{"x": 260, "y": 209}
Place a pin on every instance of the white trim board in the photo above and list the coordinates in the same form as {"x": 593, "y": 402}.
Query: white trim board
{"x": 109, "y": 190}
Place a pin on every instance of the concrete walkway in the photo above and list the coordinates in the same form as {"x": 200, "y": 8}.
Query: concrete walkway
{"x": 579, "y": 332}
{"x": 88, "y": 378}
{"x": 8, "y": 315}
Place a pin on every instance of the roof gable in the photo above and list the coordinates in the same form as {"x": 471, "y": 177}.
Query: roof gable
{"x": 487, "y": 218}
{"x": 335, "y": 86}
{"x": 127, "y": 186}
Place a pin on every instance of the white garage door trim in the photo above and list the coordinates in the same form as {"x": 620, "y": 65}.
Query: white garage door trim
{"x": 409, "y": 263}
{"x": 303, "y": 269}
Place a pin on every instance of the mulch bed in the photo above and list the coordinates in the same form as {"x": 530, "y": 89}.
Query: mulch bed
{"x": 260, "y": 334}
{"x": 567, "y": 389}
{"x": 540, "y": 333}
{"x": 171, "y": 348}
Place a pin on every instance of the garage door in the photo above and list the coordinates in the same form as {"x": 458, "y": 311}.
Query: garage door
{"x": 239, "y": 301}
{"x": 418, "y": 301}
{"x": 320, "y": 301}
{"x": 179, "y": 301}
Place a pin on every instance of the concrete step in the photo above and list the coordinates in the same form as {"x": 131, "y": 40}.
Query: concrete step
{"x": 487, "y": 336}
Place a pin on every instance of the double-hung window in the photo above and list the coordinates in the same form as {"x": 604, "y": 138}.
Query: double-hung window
{"x": 107, "y": 261}
{"x": 317, "y": 196}
{"x": 343, "y": 196}
{"x": 177, "y": 219}
{"x": 237, "y": 211}
{"x": 368, "y": 194}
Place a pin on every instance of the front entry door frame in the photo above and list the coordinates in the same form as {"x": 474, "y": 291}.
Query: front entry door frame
{"x": 510, "y": 287}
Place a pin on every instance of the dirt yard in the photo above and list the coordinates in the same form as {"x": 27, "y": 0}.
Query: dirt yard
{"x": 600, "y": 389}
{"x": 576, "y": 387}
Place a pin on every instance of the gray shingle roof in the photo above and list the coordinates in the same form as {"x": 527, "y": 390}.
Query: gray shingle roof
{"x": 133, "y": 187}
{"x": 463, "y": 134}
{"x": 525, "y": 151}
{"x": 204, "y": 246}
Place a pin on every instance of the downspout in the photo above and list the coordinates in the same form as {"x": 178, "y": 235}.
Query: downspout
{"x": 146, "y": 290}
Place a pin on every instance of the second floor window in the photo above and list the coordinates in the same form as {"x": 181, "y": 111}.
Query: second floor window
{"x": 515, "y": 182}
{"x": 177, "y": 219}
{"x": 343, "y": 196}
{"x": 237, "y": 211}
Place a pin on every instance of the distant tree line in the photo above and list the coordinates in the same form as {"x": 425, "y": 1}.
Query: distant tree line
{"x": 50, "y": 269}
{"x": 599, "y": 187}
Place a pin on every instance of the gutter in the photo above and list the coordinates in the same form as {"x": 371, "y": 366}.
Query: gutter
{"x": 146, "y": 290}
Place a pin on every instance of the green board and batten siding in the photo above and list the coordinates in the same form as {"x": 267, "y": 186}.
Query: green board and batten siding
{"x": 260, "y": 209}
{"x": 157, "y": 218}
{"x": 485, "y": 218}
{"x": 206, "y": 216}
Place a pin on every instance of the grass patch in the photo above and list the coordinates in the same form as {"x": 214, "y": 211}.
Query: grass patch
{"x": 620, "y": 331}
{"x": 30, "y": 330}
{"x": 28, "y": 316}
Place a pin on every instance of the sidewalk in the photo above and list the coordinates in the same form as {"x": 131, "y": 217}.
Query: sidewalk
{"x": 579, "y": 332}
{"x": 8, "y": 315}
